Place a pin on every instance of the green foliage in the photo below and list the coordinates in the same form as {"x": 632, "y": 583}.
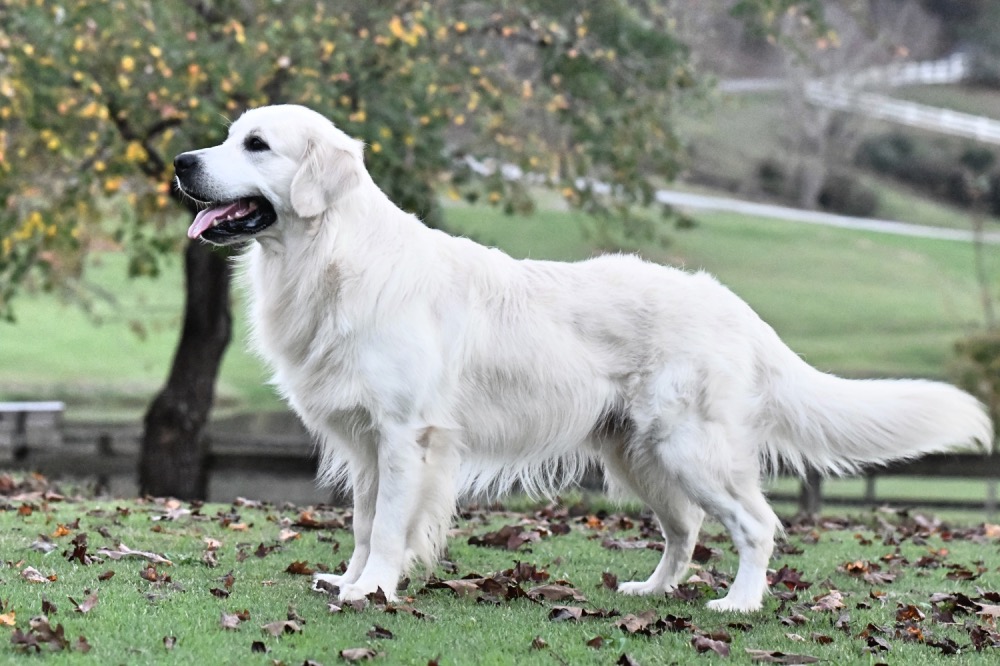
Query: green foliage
{"x": 97, "y": 96}
{"x": 960, "y": 173}
{"x": 977, "y": 369}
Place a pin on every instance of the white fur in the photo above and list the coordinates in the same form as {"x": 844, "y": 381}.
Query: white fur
{"x": 429, "y": 366}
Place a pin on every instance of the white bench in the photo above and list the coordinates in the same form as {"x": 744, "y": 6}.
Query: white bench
{"x": 26, "y": 424}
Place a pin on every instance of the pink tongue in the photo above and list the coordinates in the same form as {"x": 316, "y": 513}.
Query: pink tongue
{"x": 209, "y": 217}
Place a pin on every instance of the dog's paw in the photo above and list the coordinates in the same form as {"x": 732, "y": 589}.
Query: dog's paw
{"x": 358, "y": 591}
{"x": 323, "y": 582}
{"x": 640, "y": 588}
{"x": 734, "y": 605}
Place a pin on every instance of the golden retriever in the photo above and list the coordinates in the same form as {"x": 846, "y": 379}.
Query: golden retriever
{"x": 428, "y": 366}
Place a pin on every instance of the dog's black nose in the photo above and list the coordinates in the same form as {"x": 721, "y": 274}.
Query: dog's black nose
{"x": 184, "y": 162}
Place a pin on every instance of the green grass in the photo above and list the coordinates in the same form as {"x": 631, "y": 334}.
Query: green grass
{"x": 850, "y": 302}
{"x": 731, "y": 138}
{"x": 133, "y": 615}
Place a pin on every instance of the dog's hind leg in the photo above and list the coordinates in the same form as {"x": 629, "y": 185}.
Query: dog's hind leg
{"x": 679, "y": 519}
{"x": 725, "y": 481}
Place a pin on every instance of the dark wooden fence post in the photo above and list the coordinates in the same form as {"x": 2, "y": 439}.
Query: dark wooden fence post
{"x": 811, "y": 494}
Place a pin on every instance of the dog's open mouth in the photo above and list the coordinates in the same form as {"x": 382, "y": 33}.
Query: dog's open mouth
{"x": 227, "y": 222}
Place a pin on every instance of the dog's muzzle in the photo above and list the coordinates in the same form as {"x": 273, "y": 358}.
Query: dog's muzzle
{"x": 221, "y": 222}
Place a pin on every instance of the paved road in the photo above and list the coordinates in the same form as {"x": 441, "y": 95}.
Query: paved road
{"x": 704, "y": 202}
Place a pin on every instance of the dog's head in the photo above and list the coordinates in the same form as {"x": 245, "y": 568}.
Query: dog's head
{"x": 279, "y": 164}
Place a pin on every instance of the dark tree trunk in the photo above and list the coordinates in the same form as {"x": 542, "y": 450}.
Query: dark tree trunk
{"x": 173, "y": 460}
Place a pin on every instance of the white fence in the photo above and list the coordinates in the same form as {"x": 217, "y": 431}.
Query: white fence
{"x": 944, "y": 121}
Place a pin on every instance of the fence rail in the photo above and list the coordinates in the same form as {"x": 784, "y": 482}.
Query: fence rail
{"x": 912, "y": 114}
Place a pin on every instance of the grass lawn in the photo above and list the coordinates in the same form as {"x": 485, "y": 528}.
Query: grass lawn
{"x": 860, "y": 590}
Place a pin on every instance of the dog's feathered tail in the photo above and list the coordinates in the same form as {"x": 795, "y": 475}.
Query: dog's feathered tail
{"x": 835, "y": 425}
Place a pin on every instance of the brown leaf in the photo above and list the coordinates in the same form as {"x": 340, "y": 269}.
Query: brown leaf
{"x": 86, "y": 605}
{"x": 609, "y": 581}
{"x": 80, "y": 645}
{"x": 230, "y": 621}
{"x": 555, "y": 592}
{"x": 282, "y": 627}
{"x": 626, "y": 660}
{"x": 637, "y": 624}
{"x": 989, "y": 610}
{"x": 32, "y": 575}
{"x": 703, "y": 553}
{"x": 909, "y": 613}
{"x": 124, "y": 551}
{"x": 107, "y": 575}
{"x": 832, "y": 601}
{"x": 379, "y": 632}
{"x": 775, "y": 657}
{"x": 300, "y": 568}
{"x": 597, "y": 642}
{"x": 358, "y": 654}
{"x": 538, "y": 643}
{"x": 169, "y": 642}
{"x": 219, "y": 593}
{"x": 563, "y": 613}
{"x": 509, "y": 537}
{"x": 790, "y": 578}
{"x": 704, "y": 644}
{"x": 258, "y": 647}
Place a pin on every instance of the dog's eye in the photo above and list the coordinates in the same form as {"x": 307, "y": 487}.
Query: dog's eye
{"x": 255, "y": 144}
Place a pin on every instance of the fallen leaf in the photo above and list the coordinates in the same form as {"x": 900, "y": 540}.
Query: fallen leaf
{"x": 832, "y": 601}
{"x": 597, "y": 642}
{"x": 169, "y": 642}
{"x": 86, "y": 605}
{"x": 379, "y": 632}
{"x": 775, "y": 657}
{"x": 124, "y": 551}
{"x": 790, "y": 578}
{"x": 107, "y": 575}
{"x": 282, "y": 627}
{"x": 555, "y": 592}
{"x": 538, "y": 643}
{"x": 300, "y": 569}
{"x": 230, "y": 621}
{"x": 706, "y": 644}
{"x": 8, "y": 619}
{"x": 287, "y": 535}
{"x": 32, "y": 575}
{"x": 358, "y": 654}
{"x": 258, "y": 647}
{"x": 80, "y": 645}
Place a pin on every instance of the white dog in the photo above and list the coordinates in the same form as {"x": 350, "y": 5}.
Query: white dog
{"x": 429, "y": 365}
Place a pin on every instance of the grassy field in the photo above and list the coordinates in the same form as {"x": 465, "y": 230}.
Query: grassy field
{"x": 226, "y": 584}
{"x": 731, "y": 138}
{"x": 856, "y": 303}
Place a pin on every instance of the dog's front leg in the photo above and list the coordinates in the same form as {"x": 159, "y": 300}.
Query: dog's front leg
{"x": 399, "y": 480}
{"x": 364, "y": 483}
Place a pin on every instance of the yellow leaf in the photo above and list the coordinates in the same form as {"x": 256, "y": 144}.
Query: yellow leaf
{"x": 7, "y": 619}
{"x": 128, "y": 64}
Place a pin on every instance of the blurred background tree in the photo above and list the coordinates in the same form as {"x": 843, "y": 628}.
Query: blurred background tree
{"x": 97, "y": 96}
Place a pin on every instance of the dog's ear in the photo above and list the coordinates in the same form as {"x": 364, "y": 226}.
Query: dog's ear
{"x": 326, "y": 172}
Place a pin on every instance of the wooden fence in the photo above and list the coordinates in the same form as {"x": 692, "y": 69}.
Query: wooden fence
{"x": 275, "y": 459}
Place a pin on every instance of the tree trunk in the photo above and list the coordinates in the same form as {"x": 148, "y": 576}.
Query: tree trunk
{"x": 173, "y": 460}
